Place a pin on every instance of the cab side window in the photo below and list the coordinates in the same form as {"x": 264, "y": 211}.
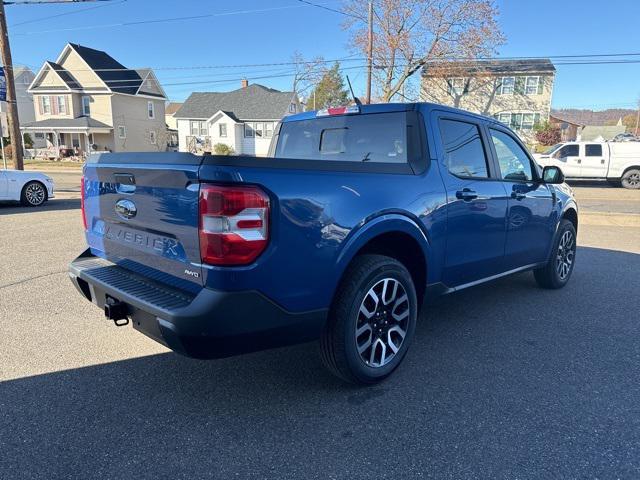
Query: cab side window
{"x": 568, "y": 151}
{"x": 593, "y": 150}
{"x": 464, "y": 153}
{"x": 514, "y": 163}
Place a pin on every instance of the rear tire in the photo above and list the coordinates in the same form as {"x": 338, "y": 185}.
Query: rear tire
{"x": 371, "y": 322}
{"x": 557, "y": 272}
{"x": 33, "y": 194}
{"x": 631, "y": 179}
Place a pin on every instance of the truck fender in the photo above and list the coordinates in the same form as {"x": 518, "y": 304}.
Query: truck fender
{"x": 379, "y": 225}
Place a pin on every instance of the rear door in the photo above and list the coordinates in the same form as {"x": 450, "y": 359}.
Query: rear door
{"x": 142, "y": 213}
{"x": 530, "y": 226}
{"x": 476, "y": 201}
{"x": 594, "y": 164}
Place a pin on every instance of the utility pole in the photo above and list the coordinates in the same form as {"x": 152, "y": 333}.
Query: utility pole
{"x": 370, "y": 53}
{"x": 12, "y": 106}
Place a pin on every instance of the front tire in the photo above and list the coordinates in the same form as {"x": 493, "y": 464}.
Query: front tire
{"x": 631, "y": 179}
{"x": 372, "y": 320}
{"x": 33, "y": 194}
{"x": 556, "y": 273}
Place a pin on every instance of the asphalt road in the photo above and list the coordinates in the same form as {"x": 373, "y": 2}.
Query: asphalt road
{"x": 504, "y": 380}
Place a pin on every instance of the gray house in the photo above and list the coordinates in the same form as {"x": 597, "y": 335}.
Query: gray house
{"x": 243, "y": 119}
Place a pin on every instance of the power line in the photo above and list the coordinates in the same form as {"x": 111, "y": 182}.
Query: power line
{"x": 564, "y": 60}
{"x": 40, "y": 19}
{"x": 346, "y": 14}
{"x": 164, "y": 20}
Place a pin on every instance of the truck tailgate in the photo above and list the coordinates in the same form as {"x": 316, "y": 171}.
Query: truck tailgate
{"x": 142, "y": 214}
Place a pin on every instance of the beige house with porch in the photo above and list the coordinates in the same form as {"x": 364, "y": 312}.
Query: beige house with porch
{"x": 87, "y": 101}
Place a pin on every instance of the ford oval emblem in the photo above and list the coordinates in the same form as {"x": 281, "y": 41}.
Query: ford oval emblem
{"x": 126, "y": 209}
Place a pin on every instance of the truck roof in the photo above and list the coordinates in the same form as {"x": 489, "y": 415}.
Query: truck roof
{"x": 394, "y": 107}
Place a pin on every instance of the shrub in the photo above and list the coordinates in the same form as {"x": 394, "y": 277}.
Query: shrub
{"x": 547, "y": 134}
{"x": 222, "y": 149}
{"x": 27, "y": 140}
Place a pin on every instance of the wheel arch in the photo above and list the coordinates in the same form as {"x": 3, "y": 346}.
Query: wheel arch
{"x": 396, "y": 236}
{"x": 571, "y": 214}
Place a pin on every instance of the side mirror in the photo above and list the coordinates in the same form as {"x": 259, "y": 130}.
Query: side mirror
{"x": 552, "y": 175}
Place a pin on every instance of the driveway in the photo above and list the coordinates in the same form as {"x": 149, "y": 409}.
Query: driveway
{"x": 504, "y": 380}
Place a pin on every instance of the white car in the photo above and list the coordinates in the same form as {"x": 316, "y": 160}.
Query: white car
{"x": 30, "y": 188}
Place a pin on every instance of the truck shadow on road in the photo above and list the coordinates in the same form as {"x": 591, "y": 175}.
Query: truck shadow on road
{"x": 497, "y": 380}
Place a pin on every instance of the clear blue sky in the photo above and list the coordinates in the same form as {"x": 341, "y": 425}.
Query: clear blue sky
{"x": 538, "y": 28}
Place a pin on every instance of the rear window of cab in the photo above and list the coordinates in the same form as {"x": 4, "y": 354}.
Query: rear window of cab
{"x": 376, "y": 138}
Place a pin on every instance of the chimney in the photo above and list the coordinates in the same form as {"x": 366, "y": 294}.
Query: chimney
{"x": 244, "y": 83}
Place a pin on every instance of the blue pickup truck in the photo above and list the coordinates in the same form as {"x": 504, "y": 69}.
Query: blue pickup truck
{"x": 356, "y": 217}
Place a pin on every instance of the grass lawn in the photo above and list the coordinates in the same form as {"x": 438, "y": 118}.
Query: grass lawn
{"x": 39, "y": 163}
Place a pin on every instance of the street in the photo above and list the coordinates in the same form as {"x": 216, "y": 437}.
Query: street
{"x": 504, "y": 380}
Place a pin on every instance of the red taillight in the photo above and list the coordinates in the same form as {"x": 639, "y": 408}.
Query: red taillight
{"x": 234, "y": 224}
{"x": 84, "y": 215}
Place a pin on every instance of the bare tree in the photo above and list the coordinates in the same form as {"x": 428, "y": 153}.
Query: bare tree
{"x": 307, "y": 73}
{"x": 409, "y": 34}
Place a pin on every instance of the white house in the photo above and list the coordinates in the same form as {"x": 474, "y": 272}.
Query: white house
{"x": 243, "y": 119}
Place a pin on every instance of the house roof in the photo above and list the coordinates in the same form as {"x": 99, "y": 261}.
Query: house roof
{"x": 254, "y": 102}
{"x": 561, "y": 119}
{"x": 78, "y": 123}
{"x": 116, "y": 76}
{"x": 489, "y": 67}
{"x": 172, "y": 107}
{"x": 64, "y": 75}
{"x": 594, "y": 132}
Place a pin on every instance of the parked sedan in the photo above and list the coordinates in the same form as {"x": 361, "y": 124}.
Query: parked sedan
{"x": 32, "y": 189}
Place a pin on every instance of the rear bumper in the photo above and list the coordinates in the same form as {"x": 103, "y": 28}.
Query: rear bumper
{"x": 210, "y": 324}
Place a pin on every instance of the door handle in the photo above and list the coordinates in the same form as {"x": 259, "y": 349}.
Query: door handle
{"x": 466, "y": 194}
{"x": 602, "y": 161}
{"x": 518, "y": 195}
{"x": 579, "y": 160}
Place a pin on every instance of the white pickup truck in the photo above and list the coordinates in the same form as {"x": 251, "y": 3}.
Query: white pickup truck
{"x": 616, "y": 162}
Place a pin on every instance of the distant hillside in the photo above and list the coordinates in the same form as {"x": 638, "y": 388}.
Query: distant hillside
{"x": 591, "y": 117}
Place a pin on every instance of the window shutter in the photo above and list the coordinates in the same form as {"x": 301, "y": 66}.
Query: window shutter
{"x": 519, "y": 86}
{"x": 536, "y": 117}
{"x": 54, "y": 105}
{"x": 466, "y": 86}
{"x": 40, "y": 107}
{"x": 449, "y": 89}
{"x": 540, "y": 85}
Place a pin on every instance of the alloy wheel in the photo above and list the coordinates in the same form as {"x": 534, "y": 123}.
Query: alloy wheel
{"x": 565, "y": 255}
{"x": 383, "y": 321}
{"x": 34, "y": 193}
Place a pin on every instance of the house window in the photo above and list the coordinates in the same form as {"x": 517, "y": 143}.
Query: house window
{"x": 519, "y": 121}
{"x": 507, "y": 85}
{"x": 258, "y": 129}
{"x": 248, "y": 130}
{"x": 46, "y": 105}
{"x": 222, "y": 130}
{"x": 531, "y": 87}
{"x": 455, "y": 86}
{"x": 152, "y": 137}
{"x": 292, "y": 108}
{"x": 150, "y": 110}
{"x": 39, "y": 135}
{"x": 122, "y": 131}
{"x": 198, "y": 127}
{"x": 86, "y": 106}
{"x": 268, "y": 130}
{"x": 61, "y": 101}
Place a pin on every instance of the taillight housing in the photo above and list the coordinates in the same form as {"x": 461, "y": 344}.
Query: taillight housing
{"x": 234, "y": 224}
{"x": 82, "y": 200}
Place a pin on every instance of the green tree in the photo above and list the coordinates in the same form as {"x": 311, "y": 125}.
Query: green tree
{"x": 330, "y": 91}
